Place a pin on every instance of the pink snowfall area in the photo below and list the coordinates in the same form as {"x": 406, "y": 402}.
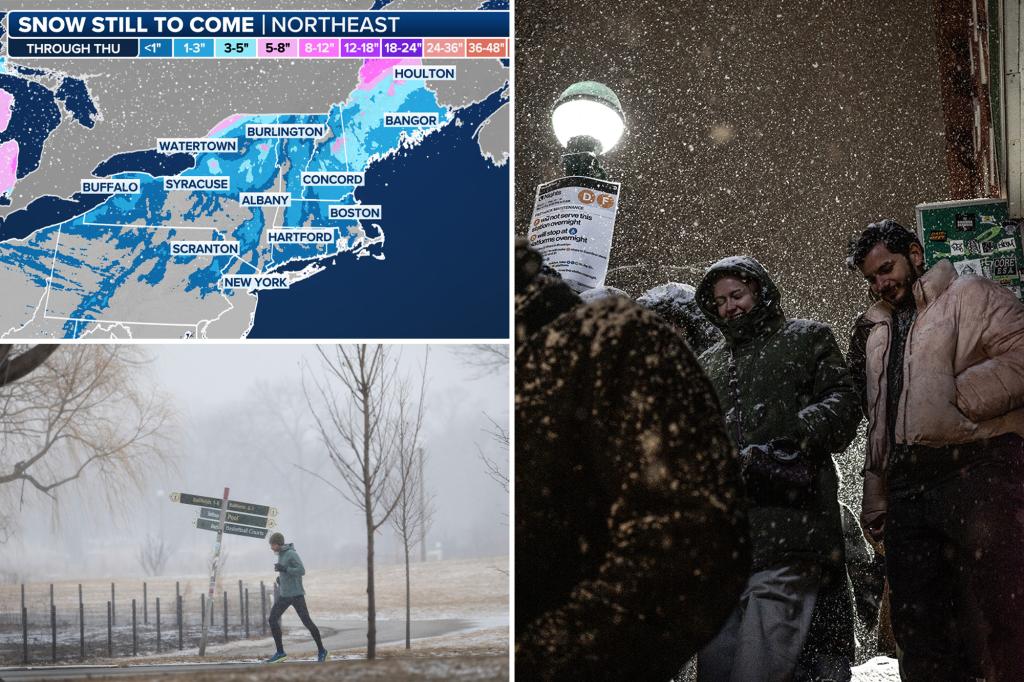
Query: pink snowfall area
{"x": 8, "y": 165}
{"x": 373, "y": 70}
{"x": 227, "y": 122}
{"x": 471, "y": 590}
{"x": 6, "y": 106}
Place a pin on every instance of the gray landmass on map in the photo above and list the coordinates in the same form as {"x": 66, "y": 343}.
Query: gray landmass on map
{"x": 493, "y": 136}
{"x": 474, "y": 80}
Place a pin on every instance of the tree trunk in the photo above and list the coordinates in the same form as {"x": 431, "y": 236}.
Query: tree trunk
{"x": 371, "y": 606}
{"x": 407, "y": 608}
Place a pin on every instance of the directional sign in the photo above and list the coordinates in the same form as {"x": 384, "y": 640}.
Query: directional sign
{"x": 233, "y": 505}
{"x": 235, "y": 517}
{"x": 233, "y": 529}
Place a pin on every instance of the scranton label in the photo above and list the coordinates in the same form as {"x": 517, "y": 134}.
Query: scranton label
{"x": 285, "y": 130}
{"x": 191, "y": 183}
{"x": 265, "y": 199}
{"x": 332, "y": 179}
{"x": 410, "y": 120}
{"x": 299, "y": 236}
{"x": 252, "y": 282}
{"x": 425, "y": 73}
{"x": 197, "y": 145}
{"x": 92, "y": 186}
{"x": 198, "y": 248}
{"x": 347, "y": 212}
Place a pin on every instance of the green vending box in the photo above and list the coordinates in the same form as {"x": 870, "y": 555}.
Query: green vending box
{"x": 976, "y": 236}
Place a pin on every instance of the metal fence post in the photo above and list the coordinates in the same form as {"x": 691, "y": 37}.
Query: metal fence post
{"x": 110, "y": 630}
{"x": 247, "y": 613}
{"x": 53, "y": 633}
{"x": 241, "y": 605}
{"x": 225, "y": 615}
{"x": 135, "y": 636}
{"x": 113, "y": 606}
{"x": 24, "y": 633}
{"x": 145, "y": 604}
{"x": 179, "y": 622}
{"x": 263, "y": 608}
{"x": 158, "y": 624}
{"x": 81, "y": 625}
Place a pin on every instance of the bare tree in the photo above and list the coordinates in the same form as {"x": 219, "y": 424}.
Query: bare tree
{"x": 413, "y": 513}
{"x": 81, "y": 413}
{"x": 356, "y": 410}
{"x": 485, "y": 358}
{"x": 15, "y": 365}
{"x": 153, "y": 554}
{"x": 497, "y": 468}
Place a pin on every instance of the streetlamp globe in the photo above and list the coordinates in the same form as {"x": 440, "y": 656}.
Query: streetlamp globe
{"x": 588, "y": 121}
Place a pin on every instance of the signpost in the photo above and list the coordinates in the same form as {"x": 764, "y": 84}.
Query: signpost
{"x": 225, "y": 516}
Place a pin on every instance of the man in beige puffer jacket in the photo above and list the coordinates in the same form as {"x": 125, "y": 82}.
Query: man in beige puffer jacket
{"x": 943, "y": 371}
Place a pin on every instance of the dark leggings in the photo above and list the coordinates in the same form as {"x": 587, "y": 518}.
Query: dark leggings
{"x": 280, "y": 606}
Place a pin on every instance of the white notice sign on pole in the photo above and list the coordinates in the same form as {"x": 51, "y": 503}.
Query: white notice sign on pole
{"x": 572, "y": 226}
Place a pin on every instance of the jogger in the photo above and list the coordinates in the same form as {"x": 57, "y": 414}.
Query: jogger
{"x": 289, "y": 592}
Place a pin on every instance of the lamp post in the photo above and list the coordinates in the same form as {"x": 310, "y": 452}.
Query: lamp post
{"x": 588, "y": 121}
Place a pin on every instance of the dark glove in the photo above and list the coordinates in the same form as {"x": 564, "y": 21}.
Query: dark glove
{"x": 778, "y": 474}
{"x": 279, "y": 568}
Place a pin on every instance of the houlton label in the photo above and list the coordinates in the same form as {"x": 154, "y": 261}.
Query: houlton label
{"x": 193, "y": 183}
{"x": 425, "y": 73}
{"x": 314, "y": 179}
{"x": 93, "y": 186}
{"x": 286, "y": 130}
{"x": 204, "y": 248}
{"x": 196, "y": 145}
{"x": 356, "y": 212}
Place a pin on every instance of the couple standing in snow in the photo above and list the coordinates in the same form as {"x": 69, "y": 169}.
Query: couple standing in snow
{"x": 948, "y": 489}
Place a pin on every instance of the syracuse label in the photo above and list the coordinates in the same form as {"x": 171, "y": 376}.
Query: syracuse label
{"x": 250, "y": 282}
{"x": 196, "y": 145}
{"x": 310, "y": 178}
{"x": 293, "y": 235}
{"x": 265, "y": 199}
{"x": 200, "y": 248}
{"x": 191, "y": 183}
{"x": 425, "y": 73}
{"x": 287, "y": 130}
{"x": 407, "y": 119}
{"x": 348, "y": 212}
{"x": 92, "y": 186}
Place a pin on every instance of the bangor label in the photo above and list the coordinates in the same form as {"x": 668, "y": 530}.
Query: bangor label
{"x": 410, "y": 120}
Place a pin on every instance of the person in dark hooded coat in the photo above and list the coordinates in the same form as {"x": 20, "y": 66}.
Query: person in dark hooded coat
{"x": 677, "y": 305}
{"x": 631, "y": 533}
{"x": 789, "y": 404}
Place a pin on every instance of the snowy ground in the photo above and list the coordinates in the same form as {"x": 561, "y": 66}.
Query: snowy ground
{"x": 460, "y": 608}
{"x": 878, "y": 669}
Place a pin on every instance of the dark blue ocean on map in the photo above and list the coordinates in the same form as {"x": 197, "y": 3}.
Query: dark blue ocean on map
{"x": 446, "y": 269}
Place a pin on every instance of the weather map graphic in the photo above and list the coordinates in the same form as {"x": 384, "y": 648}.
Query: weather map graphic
{"x": 275, "y": 174}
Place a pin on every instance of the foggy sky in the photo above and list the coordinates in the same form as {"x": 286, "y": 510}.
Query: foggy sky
{"x": 229, "y": 399}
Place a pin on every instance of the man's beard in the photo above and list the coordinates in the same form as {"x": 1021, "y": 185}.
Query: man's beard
{"x": 906, "y": 298}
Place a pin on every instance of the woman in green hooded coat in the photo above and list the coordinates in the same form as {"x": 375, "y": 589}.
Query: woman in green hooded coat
{"x": 789, "y": 404}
